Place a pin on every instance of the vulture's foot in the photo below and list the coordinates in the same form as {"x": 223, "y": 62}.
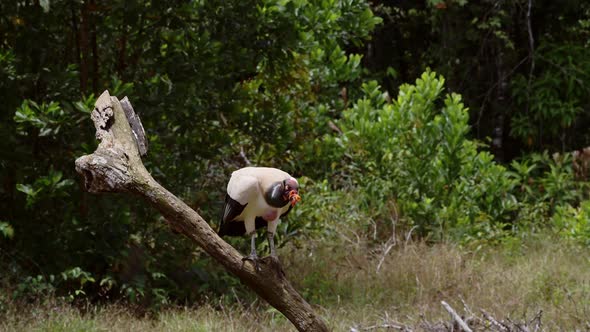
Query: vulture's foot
{"x": 254, "y": 259}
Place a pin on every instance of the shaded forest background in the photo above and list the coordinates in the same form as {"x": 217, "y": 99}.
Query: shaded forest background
{"x": 450, "y": 120}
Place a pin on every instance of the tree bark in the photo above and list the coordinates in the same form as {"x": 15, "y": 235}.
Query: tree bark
{"x": 93, "y": 41}
{"x": 116, "y": 166}
{"x": 84, "y": 58}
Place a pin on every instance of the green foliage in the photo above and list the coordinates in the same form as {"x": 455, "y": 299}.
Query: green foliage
{"x": 47, "y": 118}
{"x": 300, "y": 85}
{"x": 50, "y": 186}
{"x": 35, "y": 287}
{"x": 210, "y": 79}
{"x": 521, "y": 67}
{"x": 70, "y": 284}
{"x": 545, "y": 186}
{"x": 325, "y": 211}
{"x": 552, "y": 100}
{"x": 573, "y": 223}
{"x": 6, "y": 230}
{"x": 415, "y": 150}
{"x": 78, "y": 278}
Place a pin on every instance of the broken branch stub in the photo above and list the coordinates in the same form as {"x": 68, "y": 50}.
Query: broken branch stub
{"x": 116, "y": 166}
{"x": 108, "y": 168}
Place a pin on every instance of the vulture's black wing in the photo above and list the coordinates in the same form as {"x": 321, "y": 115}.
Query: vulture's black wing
{"x": 231, "y": 209}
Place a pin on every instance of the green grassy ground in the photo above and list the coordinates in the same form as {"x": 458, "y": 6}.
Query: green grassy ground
{"x": 345, "y": 285}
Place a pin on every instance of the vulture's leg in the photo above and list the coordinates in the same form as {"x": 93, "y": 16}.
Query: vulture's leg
{"x": 251, "y": 231}
{"x": 253, "y": 255}
{"x": 271, "y": 244}
{"x": 270, "y": 234}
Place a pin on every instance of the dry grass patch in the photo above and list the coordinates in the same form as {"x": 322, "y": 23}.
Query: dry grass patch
{"x": 343, "y": 282}
{"x": 54, "y": 316}
{"x": 508, "y": 282}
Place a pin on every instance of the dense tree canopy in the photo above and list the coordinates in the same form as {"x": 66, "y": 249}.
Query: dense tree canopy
{"x": 314, "y": 87}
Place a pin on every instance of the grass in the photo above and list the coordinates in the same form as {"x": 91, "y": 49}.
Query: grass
{"x": 414, "y": 279}
{"x": 342, "y": 281}
{"x": 118, "y": 318}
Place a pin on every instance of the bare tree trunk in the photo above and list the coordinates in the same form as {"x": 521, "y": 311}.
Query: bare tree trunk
{"x": 116, "y": 166}
{"x": 499, "y": 107}
{"x": 76, "y": 32}
{"x": 93, "y": 41}
{"x": 84, "y": 54}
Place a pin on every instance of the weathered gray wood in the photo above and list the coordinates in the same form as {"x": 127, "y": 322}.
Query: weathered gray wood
{"x": 136, "y": 126}
{"x": 116, "y": 166}
{"x": 456, "y": 317}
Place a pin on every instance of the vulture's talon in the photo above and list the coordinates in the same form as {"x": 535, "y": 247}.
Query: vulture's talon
{"x": 254, "y": 259}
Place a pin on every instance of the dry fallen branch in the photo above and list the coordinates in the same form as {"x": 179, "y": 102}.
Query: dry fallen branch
{"x": 483, "y": 322}
{"x": 116, "y": 166}
{"x": 385, "y": 325}
{"x": 456, "y": 317}
{"x": 499, "y": 325}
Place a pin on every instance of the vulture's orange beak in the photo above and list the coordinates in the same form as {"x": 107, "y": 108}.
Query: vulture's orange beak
{"x": 294, "y": 197}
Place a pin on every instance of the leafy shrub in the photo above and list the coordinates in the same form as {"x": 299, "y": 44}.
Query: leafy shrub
{"x": 6, "y": 230}
{"x": 32, "y": 287}
{"x": 415, "y": 150}
{"x": 49, "y": 186}
{"x": 573, "y": 223}
{"x": 545, "y": 189}
{"x": 70, "y": 284}
{"x": 325, "y": 210}
{"x": 551, "y": 102}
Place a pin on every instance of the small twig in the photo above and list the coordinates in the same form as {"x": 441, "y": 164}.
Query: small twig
{"x": 456, "y": 317}
{"x": 537, "y": 320}
{"x": 488, "y": 93}
{"x": 465, "y": 306}
{"x": 233, "y": 290}
{"x": 334, "y": 127}
{"x": 518, "y": 326}
{"x": 494, "y": 322}
{"x": 394, "y": 220}
{"x": 382, "y": 259}
{"x": 387, "y": 326}
{"x": 390, "y": 243}
{"x": 409, "y": 235}
{"x": 472, "y": 315}
{"x": 252, "y": 304}
{"x": 243, "y": 155}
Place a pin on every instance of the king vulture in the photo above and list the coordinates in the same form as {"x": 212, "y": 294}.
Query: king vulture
{"x": 257, "y": 197}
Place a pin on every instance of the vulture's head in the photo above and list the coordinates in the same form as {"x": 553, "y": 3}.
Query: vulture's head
{"x": 291, "y": 191}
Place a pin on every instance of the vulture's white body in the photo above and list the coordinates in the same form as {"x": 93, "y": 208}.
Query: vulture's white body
{"x": 247, "y": 186}
{"x": 257, "y": 197}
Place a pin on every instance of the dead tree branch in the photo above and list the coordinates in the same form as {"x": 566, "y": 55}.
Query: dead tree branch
{"x": 116, "y": 166}
{"x": 456, "y": 317}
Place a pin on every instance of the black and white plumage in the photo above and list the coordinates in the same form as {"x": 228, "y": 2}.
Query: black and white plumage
{"x": 257, "y": 197}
